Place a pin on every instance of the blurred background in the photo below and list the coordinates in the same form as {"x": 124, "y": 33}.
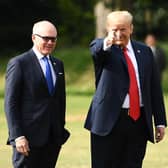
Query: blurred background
{"x": 75, "y": 19}
{"x": 78, "y": 22}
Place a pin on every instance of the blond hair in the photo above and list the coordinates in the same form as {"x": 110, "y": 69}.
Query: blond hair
{"x": 124, "y": 15}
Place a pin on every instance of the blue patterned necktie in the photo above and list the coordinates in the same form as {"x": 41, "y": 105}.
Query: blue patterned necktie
{"x": 48, "y": 75}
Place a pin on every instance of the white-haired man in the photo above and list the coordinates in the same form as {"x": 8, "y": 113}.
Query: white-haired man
{"x": 35, "y": 102}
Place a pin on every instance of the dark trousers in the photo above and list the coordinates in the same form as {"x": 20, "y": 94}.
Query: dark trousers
{"x": 124, "y": 147}
{"x": 41, "y": 157}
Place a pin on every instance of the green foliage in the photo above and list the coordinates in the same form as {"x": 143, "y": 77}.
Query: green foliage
{"x": 79, "y": 72}
{"x": 148, "y": 17}
{"x": 78, "y": 67}
{"x": 75, "y": 21}
{"x": 76, "y": 62}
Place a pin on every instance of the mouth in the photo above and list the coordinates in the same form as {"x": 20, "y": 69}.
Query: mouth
{"x": 49, "y": 47}
{"x": 119, "y": 41}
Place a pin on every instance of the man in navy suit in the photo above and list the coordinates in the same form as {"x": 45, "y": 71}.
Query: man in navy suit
{"x": 121, "y": 122}
{"x": 36, "y": 113}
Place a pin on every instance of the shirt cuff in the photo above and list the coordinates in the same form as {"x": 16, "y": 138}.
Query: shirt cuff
{"x": 18, "y": 138}
{"x": 162, "y": 126}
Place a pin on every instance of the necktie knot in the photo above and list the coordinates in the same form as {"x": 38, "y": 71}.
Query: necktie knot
{"x": 124, "y": 49}
{"x": 45, "y": 58}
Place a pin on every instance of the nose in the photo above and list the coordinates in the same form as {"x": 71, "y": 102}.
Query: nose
{"x": 118, "y": 32}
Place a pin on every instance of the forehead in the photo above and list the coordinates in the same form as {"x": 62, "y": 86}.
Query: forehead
{"x": 118, "y": 21}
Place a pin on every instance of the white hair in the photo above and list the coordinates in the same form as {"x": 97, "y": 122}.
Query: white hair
{"x": 39, "y": 25}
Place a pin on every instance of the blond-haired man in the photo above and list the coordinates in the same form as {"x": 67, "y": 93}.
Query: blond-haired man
{"x": 128, "y": 94}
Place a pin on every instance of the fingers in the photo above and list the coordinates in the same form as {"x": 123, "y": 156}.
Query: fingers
{"x": 159, "y": 134}
{"x": 22, "y": 146}
{"x": 111, "y": 37}
{"x": 112, "y": 34}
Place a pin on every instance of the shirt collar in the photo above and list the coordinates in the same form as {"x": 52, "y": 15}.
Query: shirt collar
{"x": 129, "y": 46}
{"x": 38, "y": 54}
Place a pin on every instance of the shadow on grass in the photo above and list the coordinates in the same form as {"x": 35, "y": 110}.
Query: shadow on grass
{"x": 76, "y": 93}
{"x": 1, "y": 94}
{"x": 79, "y": 93}
{"x": 69, "y": 92}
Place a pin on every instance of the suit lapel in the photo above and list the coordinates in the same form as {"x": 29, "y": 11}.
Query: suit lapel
{"x": 56, "y": 70}
{"x": 54, "y": 65}
{"x": 37, "y": 70}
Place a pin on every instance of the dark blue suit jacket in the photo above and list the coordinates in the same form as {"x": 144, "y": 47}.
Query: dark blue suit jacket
{"x": 30, "y": 110}
{"x": 112, "y": 84}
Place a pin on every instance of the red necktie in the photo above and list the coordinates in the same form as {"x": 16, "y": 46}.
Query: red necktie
{"x": 133, "y": 89}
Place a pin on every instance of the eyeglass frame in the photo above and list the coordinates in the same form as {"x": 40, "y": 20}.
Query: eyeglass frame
{"x": 47, "y": 38}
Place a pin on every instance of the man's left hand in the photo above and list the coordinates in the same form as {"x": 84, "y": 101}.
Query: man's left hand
{"x": 159, "y": 133}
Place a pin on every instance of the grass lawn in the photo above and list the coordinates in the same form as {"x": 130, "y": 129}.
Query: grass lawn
{"x": 76, "y": 152}
{"x": 80, "y": 81}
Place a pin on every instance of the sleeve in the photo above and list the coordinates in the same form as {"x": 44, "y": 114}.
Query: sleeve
{"x": 158, "y": 107}
{"x": 98, "y": 56}
{"x": 12, "y": 98}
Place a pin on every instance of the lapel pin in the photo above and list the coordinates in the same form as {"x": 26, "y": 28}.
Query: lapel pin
{"x": 138, "y": 51}
{"x": 60, "y": 73}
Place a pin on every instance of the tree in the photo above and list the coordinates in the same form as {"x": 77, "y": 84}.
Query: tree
{"x": 74, "y": 19}
{"x": 151, "y": 17}
{"x": 17, "y": 18}
{"x": 148, "y": 17}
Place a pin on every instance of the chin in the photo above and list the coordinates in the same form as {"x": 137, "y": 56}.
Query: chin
{"x": 47, "y": 52}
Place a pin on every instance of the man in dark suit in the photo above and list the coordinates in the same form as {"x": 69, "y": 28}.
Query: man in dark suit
{"x": 34, "y": 105}
{"x": 158, "y": 52}
{"x": 128, "y": 94}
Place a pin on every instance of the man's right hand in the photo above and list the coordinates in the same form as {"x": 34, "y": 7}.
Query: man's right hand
{"x": 22, "y": 146}
{"x": 111, "y": 38}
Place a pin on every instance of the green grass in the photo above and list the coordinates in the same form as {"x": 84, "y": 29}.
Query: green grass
{"x": 76, "y": 152}
{"x": 78, "y": 68}
{"x": 80, "y": 86}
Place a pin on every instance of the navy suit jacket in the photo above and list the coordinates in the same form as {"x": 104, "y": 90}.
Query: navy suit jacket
{"x": 30, "y": 110}
{"x": 112, "y": 84}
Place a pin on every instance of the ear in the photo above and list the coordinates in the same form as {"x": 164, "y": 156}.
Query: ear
{"x": 132, "y": 27}
{"x": 33, "y": 37}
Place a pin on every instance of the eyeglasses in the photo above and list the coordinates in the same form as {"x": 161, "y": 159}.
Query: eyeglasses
{"x": 47, "y": 38}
